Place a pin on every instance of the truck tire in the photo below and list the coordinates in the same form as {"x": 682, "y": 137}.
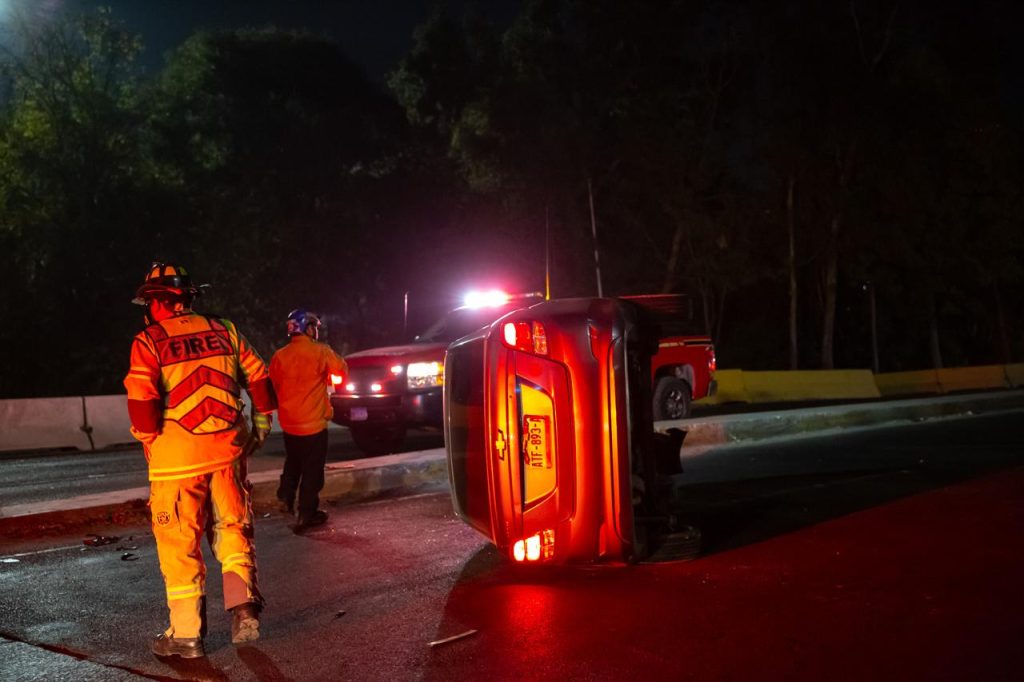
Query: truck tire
{"x": 671, "y": 399}
{"x": 378, "y": 440}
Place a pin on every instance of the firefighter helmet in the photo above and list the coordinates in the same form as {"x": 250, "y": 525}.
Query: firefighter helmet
{"x": 300, "y": 319}
{"x": 169, "y": 280}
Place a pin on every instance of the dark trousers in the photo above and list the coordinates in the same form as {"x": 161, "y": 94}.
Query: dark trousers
{"x": 304, "y": 460}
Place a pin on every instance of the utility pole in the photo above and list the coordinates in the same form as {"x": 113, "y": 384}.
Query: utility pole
{"x": 593, "y": 231}
{"x": 405, "y": 316}
{"x": 547, "y": 255}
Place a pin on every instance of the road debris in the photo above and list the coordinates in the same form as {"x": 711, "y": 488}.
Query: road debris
{"x": 453, "y": 638}
{"x": 339, "y": 614}
{"x": 9, "y": 561}
{"x": 93, "y": 540}
{"x": 129, "y": 556}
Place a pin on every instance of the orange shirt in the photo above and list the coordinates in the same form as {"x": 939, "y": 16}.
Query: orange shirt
{"x": 301, "y": 373}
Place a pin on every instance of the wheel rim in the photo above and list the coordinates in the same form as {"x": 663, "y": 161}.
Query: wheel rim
{"x": 675, "y": 404}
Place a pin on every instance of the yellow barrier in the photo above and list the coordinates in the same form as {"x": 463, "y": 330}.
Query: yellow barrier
{"x": 908, "y": 383}
{"x": 972, "y": 378}
{"x": 735, "y": 385}
{"x": 1015, "y": 375}
{"x": 810, "y": 385}
{"x": 730, "y": 388}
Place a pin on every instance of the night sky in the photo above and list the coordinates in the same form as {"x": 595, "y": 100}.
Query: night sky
{"x": 374, "y": 33}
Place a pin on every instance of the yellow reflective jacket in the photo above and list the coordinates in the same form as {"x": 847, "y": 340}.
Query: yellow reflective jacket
{"x": 301, "y": 373}
{"x": 184, "y": 394}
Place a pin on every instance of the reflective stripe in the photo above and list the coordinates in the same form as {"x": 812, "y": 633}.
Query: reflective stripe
{"x": 236, "y": 560}
{"x": 169, "y": 473}
{"x": 196, "y": 380}
{"x": 184, "y": 592}
{"x": 209, "y": 407}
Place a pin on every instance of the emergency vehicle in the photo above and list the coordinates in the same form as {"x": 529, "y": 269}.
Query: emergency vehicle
{"x": 394, "y": 388}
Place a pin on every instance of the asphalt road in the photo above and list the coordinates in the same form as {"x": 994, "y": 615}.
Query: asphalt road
{"x": 895, "y": 555}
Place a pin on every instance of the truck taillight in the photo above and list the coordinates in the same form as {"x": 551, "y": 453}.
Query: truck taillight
{"x": 336, "y": 379}
{"x": 712, "y": 363}
{"x": 537, "y": 547}
{"x": 525, "y": 336}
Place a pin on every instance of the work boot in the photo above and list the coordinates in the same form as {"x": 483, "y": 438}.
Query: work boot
{"x": 245, "y": 623}
{"x": 286, "y": 507}
{"x": 186, "y": 647}
{"x": 317, "y": 518}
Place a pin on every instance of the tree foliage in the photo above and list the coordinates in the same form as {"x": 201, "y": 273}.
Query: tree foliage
{"x": 757, "y": 157}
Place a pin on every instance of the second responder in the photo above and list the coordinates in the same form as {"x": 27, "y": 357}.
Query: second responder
{"x": 301, "y": 373}
{"x": 185, "y": 404}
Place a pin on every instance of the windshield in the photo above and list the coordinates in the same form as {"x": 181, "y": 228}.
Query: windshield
{"x": 460, "y": 322}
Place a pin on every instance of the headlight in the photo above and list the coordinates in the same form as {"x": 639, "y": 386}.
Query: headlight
{"x": 424, "y": 374}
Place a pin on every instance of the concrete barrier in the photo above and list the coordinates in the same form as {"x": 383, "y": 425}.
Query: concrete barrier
{"x": 972, "y": 378}
{"x": 838, "y": 384}
{"x": 107, "y": 419}
{"x": 908, "y": 383}
{"x": 101, "y": 421}
{"x": 35, "y": 423}
{"x": 1015, "y": 375}
{"x": 730, "y": 389}
{"x": 85, "y": 423}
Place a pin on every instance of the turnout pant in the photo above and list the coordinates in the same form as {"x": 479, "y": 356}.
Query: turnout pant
{"x": 303, "y": 471}
{"x": 183, "y": 509}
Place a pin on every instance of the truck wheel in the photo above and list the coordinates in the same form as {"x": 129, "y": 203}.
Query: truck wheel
{"x": 671, "y": 399}
{"x": 378, "y": 440}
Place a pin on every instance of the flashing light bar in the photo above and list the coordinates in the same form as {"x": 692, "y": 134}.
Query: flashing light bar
{"x": 486, "y": 299}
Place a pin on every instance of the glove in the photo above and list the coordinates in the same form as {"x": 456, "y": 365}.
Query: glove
{"x": 261, "y": 426}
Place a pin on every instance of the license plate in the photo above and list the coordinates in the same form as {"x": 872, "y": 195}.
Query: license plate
{"x": 535, "y": 437}
{"x": 358, "y": 414}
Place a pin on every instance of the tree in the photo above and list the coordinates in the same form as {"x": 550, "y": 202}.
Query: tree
{"x": 289, "y": 159}
{"x": 74, "y": 182}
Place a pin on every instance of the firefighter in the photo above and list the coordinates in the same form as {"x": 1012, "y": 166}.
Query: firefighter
{"x": 185, "y": 404}
{"x": 301, "y": 373}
